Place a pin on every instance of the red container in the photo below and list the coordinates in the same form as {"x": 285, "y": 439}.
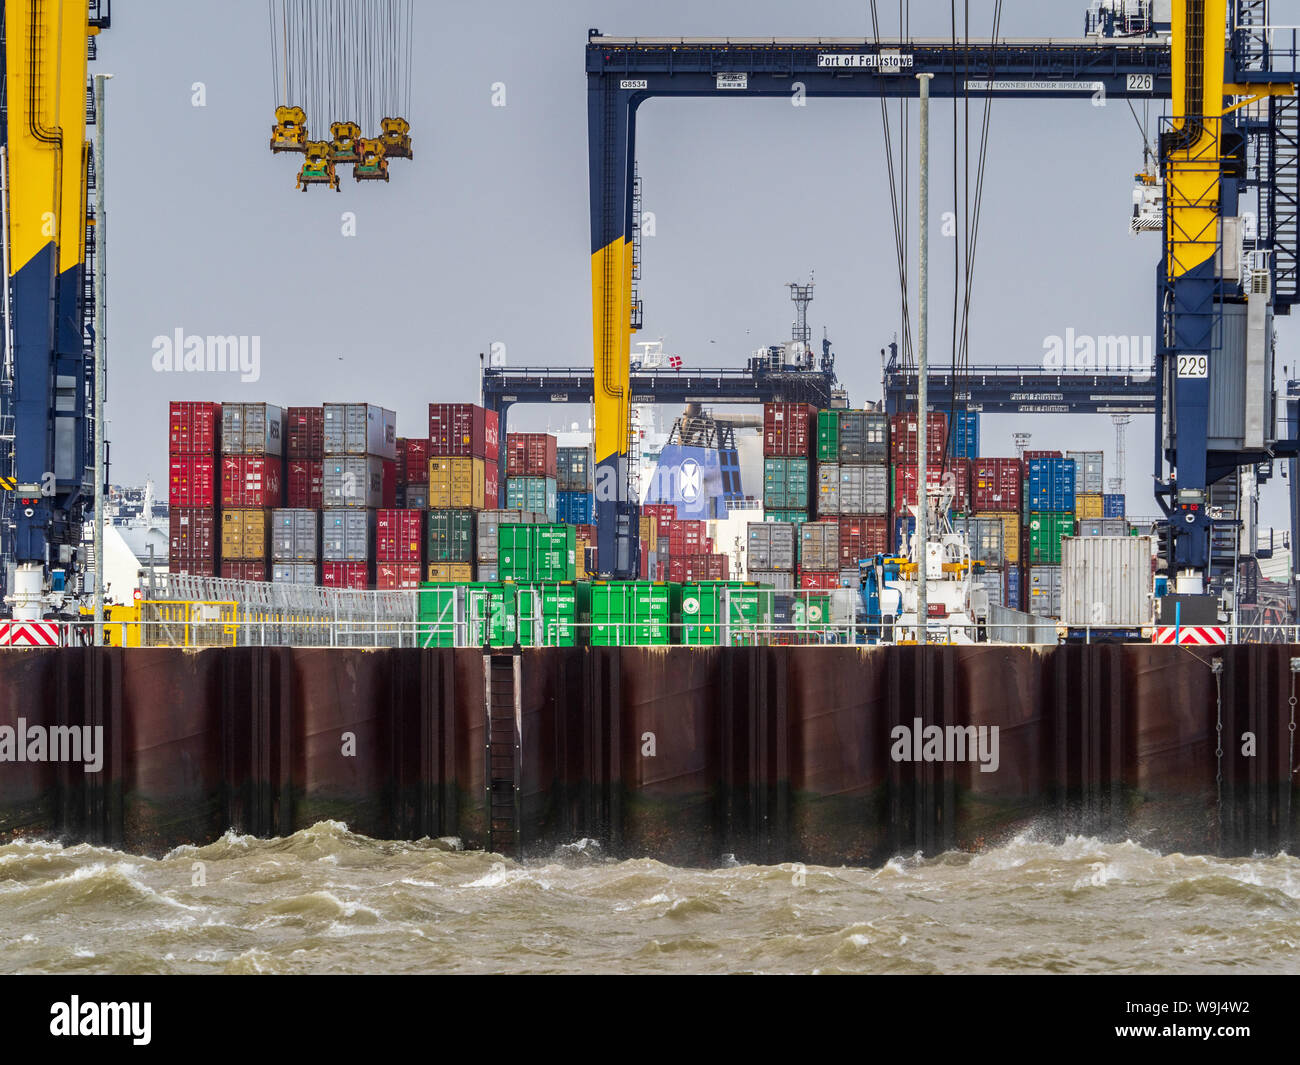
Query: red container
{"x": 862, "y": 538}
{"x": 701, "y": 567}
{"x": 412, "y": 460}
{"x": 305, "y": 430}
{"x": 586, "y": 532}
{"x": 995, "y": 485}
{"x": 660, "y": 510}
{"x": 903, "y": 432}
{"x": 388, "y": 488}
{"x": 905, "y": 483}
{"x": 193, "y": 567}
{"x": 251, "y": 481}
{"x": 244, "y": 571}
{"x": 491, "y": 484}
{"x": 1043, "y": 455}
{"x": 683, "y": 538}
{"x": 354, "y": 575}
{"x": 463, "y": 429}
{"x": 399, "y": 536}
{"x": 195, "y": 429}
{"x": 193, "y": 533}
{"x": 192, "y": 481}
{"x": 531, "y": 455}
{"x": 789, "y": 428}
{"x": 306, "y": 484}
{"x": 818, "y": 580}
{"x": 392, "y": 576}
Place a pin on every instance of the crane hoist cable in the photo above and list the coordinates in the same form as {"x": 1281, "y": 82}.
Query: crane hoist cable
{"x": 898, "y": 214}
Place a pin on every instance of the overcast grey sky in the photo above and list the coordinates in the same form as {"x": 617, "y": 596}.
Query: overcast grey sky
{"x": 485, "y": 237}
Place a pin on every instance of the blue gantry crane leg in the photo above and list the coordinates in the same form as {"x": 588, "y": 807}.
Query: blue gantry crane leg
{"x": 47, "y": 389}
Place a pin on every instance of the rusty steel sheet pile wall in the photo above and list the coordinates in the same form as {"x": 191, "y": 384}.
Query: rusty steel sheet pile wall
{"x": 686, "y": 755}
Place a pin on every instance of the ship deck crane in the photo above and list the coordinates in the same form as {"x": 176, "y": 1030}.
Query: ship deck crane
{"x": 1232, "y": 91}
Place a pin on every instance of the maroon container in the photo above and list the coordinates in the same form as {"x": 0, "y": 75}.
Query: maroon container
{"x": 491, "y": 485}
{"x": 388, "y": 486}
{"x": 1043, "y": 455}
{"x": 531, "y": 455}
{"x": 193, "y": 567}
{"x": 192, "y": 481}
{"x": 789, "y": 429}
{"x": 995, "y": 485}
{"x": 905, "y": 480}
{"x": 244, "y": 571}
{"x": 305, "y": 429}
{"x": 818, "y": 580}
{"x": 660, "y": 510}
{"x": 463, "y": 430}
{"x": 412, "y": 460}
{"x": 394, "y": 576}
{"x": 355, "y": 575}
{"x": 862, "y": 537}
{"x": 251, "y": 481}
{"x": 195, "y": 429}
{"x": 193, "y": 533}
{"x": 399, "y": 536}
{"x": 305, "y": 484}
{"x": 904, "y": 429}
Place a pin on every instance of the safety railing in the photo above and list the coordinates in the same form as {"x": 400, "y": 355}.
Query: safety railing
{"x": 246, "y": 632}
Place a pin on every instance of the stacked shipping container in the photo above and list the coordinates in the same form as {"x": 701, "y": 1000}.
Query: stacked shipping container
{"x": 193, "y": 479}
{"x": 463, "y": 483}
{"x": 253, "y": 437}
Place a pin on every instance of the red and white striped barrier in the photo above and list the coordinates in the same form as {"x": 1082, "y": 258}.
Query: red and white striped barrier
{"x": 1193, "y": 634}
{"x": 31, "y": 634}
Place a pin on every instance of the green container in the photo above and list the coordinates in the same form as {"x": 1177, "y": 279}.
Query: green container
{"x": 796, "y": 516}
{"x": 785, "y": 483}
{"x": 702, "y": 612}
{"x": 828, "y": 436}
{"x": 530, "y": 552}
{"x": 1045, "y": 532}
{"x": 450, "y": 536}
{"x": 811, "y": 612}
{"x": 555, "y": 553}
{"x": 553, "y": 615}
{"x": 437, "y": 603}
{"x": 633, "y": 613}
{"x": 488, "y": 615}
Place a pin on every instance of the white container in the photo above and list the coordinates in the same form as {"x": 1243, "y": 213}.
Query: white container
{"x": 1107, "y": 581}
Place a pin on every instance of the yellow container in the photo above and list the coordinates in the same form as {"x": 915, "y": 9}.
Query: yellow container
{"x": 245, "y": 535}
{"x": 451, "y": 572}
{"x": 1089, "y": 506}
{"x": 649, "y": 533}
{"x": 456, "y": 482}
{"x": 581, "y": 554}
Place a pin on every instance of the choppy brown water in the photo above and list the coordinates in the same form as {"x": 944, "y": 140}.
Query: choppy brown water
{"x": 327, "y": 900}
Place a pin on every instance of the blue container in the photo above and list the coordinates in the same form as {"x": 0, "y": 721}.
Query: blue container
{"x": 964, "y": 440}
{"x": 1112, "y": 506}
{"x": 574, "y": 508}
{"x": 1051, "y": 485}
{"x": 1011, "y": 589}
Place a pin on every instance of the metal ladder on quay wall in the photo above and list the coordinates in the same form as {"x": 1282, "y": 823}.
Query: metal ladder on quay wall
{"x": 502, "y": 750}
